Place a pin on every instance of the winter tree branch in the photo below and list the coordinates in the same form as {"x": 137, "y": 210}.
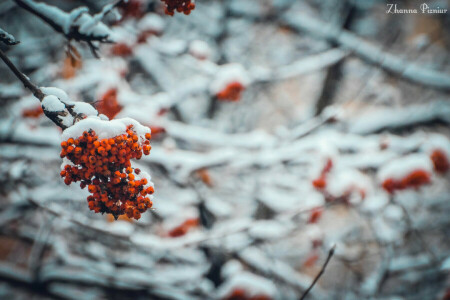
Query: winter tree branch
{"x": 62, "y": 112}
{"x": 330, "y": 255}
{"x": 77, "y": 25}
{"x": 370, "y": 53}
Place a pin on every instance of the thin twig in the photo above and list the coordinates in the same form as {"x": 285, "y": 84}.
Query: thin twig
{"x": 26, "y": 82}
{"x": 330, "y": 255}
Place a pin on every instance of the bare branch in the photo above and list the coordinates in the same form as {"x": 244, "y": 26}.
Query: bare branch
{"x": 25, "y": 80}
{"x": 330, "y": 255}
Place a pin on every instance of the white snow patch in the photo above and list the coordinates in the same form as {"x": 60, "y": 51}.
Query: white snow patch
{"x": 105, "y": 129}
{"x": 51, "y": 103}
{"x": 199, "y": 49}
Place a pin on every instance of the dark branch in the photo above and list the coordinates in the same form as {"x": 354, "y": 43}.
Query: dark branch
{"x": 26, "y": 82}
{"x": 330, "y": 255}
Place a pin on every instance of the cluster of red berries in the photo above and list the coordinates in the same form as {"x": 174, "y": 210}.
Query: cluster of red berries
{"x": 415, "y": 179}
{"x": 104, "y": 167}
{"x": 232, "y": 92}
{"x": 184, "y": 6}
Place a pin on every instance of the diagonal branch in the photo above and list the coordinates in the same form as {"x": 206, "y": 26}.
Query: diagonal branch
{"x": 25, "y": 80}
{"x": 63, "y": 112}
{"x": 330, "y": 255}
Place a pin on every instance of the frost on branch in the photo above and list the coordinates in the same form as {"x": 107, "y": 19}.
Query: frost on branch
{"x": 97, "y": 153}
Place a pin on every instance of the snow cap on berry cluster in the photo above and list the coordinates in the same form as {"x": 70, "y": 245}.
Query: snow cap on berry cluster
{"x": 105, "y": 129}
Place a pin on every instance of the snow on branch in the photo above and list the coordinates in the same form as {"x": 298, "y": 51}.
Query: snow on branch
{"x": 399, "y": 118}
{"x": 56, "y": 104}
{"x": 77, "y": 25}
{"x": 368, "y": 52}
{"x": 7, "y": 38}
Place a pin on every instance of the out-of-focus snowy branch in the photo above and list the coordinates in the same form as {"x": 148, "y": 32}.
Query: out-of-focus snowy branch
{"x": 400, "y": 118}
{"x": 77, "y": 25}
{"x": 7, "y": 38}
{"x": 368, "y": 52}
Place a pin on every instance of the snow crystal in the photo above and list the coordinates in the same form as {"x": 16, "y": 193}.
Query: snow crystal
{"x": 401, "y": 167}
{"x": 52, "y": 103}
{"x": 227, "y": 74}
{"x": 105, "y": 129}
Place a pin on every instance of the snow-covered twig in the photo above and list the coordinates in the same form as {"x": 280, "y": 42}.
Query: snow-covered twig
{"x": 77, "y": 25}
{"x": 303, "y": 66}
{"x": 24, "y": 79}
{"x": 55, "y": 103}
{"x": 8, "y": 38}
{"x": 368, "y": 52}
{"x": 400, "y": 118}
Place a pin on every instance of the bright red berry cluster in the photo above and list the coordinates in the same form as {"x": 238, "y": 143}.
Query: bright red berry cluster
{"x": 232, "y": 92}
{"x": 103, "y": 165}
{"x": 415, "y": 179}
{"x": 184, "y": 6}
